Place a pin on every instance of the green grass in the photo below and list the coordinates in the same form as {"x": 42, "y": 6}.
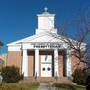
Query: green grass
{"x": 19, "y": 86}
{"x": 69, "y": 87}
{"x": 34, "y": 86}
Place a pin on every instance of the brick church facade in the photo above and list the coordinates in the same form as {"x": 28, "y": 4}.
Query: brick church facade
{"x": 45, "y": 54}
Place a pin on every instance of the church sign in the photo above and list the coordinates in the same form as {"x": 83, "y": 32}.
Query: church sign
{"x": 46, "y": 45}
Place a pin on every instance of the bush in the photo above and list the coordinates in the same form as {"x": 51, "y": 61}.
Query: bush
{"x": 10, "y": 74}
{"x": 80, "y": 75}
{"x": 64, "y": 86}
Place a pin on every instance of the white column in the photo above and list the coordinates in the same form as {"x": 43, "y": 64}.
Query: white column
{"x": 25, "y": 63}
{"x": 56, "y": 62}
{"x": 37, "y": 62}
{"x": 68, "y": 63}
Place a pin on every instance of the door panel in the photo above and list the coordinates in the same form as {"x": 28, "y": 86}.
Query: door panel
{"x": 46, "y": 66}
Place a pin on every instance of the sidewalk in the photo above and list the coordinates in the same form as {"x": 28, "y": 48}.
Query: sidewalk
{"x": 46, "y": 86}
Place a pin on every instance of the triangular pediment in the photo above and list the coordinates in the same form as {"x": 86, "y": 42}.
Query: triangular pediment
{"x": 42, "y": 37}
{"x": 48, "y": 38}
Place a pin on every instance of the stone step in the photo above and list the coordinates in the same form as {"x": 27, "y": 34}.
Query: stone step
{"x": 46, "y": 80}
{"x": 64, "y": 80}
{"x": 27, "y": 80}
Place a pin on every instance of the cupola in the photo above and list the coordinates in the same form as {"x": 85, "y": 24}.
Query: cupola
{"x": 46, "y": 22}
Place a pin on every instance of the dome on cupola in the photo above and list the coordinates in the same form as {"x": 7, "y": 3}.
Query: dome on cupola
{"x": 45, "y": 11}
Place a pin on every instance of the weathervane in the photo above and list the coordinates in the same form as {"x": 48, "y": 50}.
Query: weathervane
{"x": 45, "y": 9}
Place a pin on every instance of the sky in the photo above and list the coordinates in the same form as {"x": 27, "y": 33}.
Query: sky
{"x": 18, "y": 18}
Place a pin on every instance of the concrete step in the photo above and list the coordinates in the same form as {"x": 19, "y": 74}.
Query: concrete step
{"x": 46, "y": 80}
{"x": 64, "y": 80}
{"x": 27, "y": 80}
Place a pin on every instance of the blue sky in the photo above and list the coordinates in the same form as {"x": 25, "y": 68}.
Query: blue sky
{"x": 18, "y": 17}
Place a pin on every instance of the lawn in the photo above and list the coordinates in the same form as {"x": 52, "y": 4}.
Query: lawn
{"x": 19, "y": 86}
{"x": 34, "y": 86}
{"x": 69, "y": 87}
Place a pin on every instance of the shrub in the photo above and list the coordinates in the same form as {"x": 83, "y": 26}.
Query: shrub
{"x": 80, "y": 75}
{"x": 65, "y": 86}
{"x": 10, "y": 74}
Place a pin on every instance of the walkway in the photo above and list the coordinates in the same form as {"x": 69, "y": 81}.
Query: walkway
{"x": 46, "y": 86}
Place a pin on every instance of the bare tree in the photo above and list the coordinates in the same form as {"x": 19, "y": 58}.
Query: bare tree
{"x": 78, "y": 39}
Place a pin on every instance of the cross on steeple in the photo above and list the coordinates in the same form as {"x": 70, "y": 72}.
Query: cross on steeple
{"x": 45, "y": 9}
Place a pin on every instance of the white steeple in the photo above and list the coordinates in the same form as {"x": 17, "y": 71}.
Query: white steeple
{"x": 46, "y": 22}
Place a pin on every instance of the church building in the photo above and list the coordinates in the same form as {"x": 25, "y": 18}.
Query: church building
{"x": 43, "y": 55}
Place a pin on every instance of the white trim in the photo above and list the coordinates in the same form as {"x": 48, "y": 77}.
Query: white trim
{"x": 46, "y": 15}
{"x": 14, "y": 48}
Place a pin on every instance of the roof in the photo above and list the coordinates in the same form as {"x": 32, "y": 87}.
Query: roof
{"x": 46, "y": 13}
{"x": 41, "y": 37}
{"x": 46, "y": 37}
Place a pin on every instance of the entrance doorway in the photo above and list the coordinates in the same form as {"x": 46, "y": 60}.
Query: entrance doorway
{"x": 46, "y": 65}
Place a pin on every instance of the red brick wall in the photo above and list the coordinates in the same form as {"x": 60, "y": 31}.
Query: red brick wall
{"x": 31, "y": 55}
{"x": 14, "y": 58}
{"x": 61, "y": 64}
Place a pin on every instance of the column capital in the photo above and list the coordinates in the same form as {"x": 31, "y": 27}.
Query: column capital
{"x": 24, "y": 46}
{"x": 55, "y": 48}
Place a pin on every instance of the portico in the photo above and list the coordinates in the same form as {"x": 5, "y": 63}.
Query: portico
{"x": 46, "y": 62}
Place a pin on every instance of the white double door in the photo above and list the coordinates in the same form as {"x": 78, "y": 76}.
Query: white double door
{"x": 46, "y": 65}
